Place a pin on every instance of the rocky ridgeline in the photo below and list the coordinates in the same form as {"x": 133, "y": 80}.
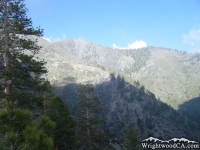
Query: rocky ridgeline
{"x": 173, "y": 77}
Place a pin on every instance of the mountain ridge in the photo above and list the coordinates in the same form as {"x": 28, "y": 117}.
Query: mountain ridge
{"x": 173, "y": 76}
{"x": 70, "y": 65}
{"x": 139, "y": 64}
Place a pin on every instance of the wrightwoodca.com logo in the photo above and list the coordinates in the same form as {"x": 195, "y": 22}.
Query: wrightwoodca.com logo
{"x": 175, "y": 143}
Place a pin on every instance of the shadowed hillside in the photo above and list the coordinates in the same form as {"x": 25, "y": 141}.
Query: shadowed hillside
{"x": 124, "y": 103}
{"x": 191, "y": 109}
{"x": 172, "y": 76}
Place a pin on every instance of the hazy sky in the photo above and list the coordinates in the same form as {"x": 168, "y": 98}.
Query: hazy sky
{"x": 171, "y": 24}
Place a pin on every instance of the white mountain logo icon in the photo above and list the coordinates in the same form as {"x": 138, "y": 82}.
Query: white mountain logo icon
{"x": 174, "y": 140}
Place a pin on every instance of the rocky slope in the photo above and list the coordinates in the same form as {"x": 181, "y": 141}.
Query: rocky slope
{"x": 172, "y": 76}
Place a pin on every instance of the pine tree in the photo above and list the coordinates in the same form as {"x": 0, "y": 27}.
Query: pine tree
{"x": 19, "y": 132}
{"x": 17, "y": 66}
{"x": 46, "y": 89}
{"x": 21, "y": 82}
{"x": 64, "y": 135}
{"x": 131, "y": 141}
{"x": 88, "y": 120}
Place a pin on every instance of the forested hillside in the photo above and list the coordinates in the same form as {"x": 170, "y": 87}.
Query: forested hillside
{"x": 79, "y": 95}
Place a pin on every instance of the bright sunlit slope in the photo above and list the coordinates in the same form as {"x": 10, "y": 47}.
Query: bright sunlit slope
{"x": 172, "y": 75}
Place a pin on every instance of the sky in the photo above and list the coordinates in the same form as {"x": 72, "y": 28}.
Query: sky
{"x": 173, "y": 24}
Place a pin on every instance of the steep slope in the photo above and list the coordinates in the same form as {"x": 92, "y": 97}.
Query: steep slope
{"x": 191, "y": 109}
{"x": 64, "y": 67}
{"x": 124, "y": 100}
{"x": 127, "y": 103}
{"x": 124, "y": 104}
{"x": 173, "y": 76}
{"x": 97, "y": 54}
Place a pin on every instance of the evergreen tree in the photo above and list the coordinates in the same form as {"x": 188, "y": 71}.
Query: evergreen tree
{"x": 64, "y": 134}
{"x": 131, "y": 141}
{"x": 20, "y": 79}
{"x": 18, "y": 66}
{"x": 19, "y": 132}
{"x": 46, "y": 88}
{"x": 88, "y": 121}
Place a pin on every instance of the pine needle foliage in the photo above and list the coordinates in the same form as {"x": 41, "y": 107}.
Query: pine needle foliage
{"x": 89, "y": 121}
{"x": 64, "y": 133}
{"x": 20, "y": 79}
{"x": 17, "y": 55}
{"x": 131, "y": 141}
{"x": 19, "y": 132}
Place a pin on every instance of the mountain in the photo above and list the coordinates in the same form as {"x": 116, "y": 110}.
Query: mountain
{"x": 173, "y": 76}
{"x": 169, "y": 78}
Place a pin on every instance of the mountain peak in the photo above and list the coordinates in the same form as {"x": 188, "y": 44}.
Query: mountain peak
{"x": 80, "y": 40}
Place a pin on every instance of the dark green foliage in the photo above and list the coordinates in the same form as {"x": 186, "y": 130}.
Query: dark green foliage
{"x": 19, "y": 132}
{"x": 20, "y": 77}
{"x": 88, "y": 120}
{"x": 131, "y": 140}
{"x": 64, "y": 133}
{"x": 46, "y": 125}
{"x": 102, "y": 141}
{"x": 17, "y": 66}
{"x": 13, "y": 119}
